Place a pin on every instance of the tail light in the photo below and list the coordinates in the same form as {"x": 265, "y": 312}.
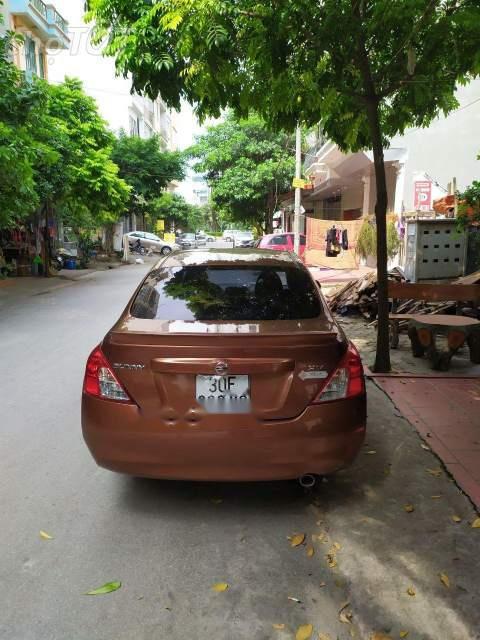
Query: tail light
{"x": 347, "y": 381}
{"x": 100, "y": 381}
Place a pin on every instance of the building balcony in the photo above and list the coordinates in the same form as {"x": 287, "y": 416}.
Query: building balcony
{"x": 43, "y": 20}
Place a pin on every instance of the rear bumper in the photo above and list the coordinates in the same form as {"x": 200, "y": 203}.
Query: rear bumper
{"x": 322, "y": 440}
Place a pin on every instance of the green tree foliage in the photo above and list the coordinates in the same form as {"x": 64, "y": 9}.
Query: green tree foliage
{"x": 469, "y": 205}
{"x": 76, "y": 173}
{"x": 367, "y": 69}
{"x": 178, "y": 213}
{"x": 55, "y": 151}
{"x": 367, "y": 240}
{"x": 144, "y": 165}
{"x": 172, "y": 208}
{"x": 247, "y": 166}
{"x": 147, "y": 169}
{"x": 20, "y": 107}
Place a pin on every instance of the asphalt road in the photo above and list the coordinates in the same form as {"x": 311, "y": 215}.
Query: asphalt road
{"x": 168, "y": 543}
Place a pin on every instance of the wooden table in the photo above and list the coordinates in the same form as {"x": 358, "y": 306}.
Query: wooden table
{"x": 424, "y": 329}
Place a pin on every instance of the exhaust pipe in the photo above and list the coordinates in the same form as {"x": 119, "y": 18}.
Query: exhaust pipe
{"x": 307, "y": 481}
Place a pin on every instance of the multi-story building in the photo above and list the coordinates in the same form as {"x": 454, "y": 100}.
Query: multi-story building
{"x": 149, "y": 117}
{"x": 420, "y": 165}
{"x": 43, "y": 28}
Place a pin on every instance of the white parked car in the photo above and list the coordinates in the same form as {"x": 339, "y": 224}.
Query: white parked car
{"x": 228, "y": 235}
{"x": 150, "y": 241}
{"x": 243, "y": 239}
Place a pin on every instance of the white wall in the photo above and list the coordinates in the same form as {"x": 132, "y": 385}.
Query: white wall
{"x": 448, "y": 148}
{"x": 352, "y": 197}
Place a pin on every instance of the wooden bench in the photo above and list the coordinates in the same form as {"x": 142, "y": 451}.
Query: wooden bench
{"x": 397, "y": 291}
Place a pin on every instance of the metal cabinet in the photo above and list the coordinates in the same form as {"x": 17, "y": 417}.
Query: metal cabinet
{"x": 435, "y": 250}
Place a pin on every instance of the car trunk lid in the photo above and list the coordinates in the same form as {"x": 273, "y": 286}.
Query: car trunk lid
{"x": 287, "y": 362}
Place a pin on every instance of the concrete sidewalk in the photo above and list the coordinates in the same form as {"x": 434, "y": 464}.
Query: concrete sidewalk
{"x": 446, "y": 413}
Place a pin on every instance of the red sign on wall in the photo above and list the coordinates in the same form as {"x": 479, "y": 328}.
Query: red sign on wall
{"x": 423, "y": 195}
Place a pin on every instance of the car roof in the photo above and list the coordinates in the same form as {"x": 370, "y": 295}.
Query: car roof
{"x": 225, "y": 257}
{"x": 282, "y": 233}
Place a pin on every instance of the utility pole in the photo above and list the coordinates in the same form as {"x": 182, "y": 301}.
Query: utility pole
{"x": 298, "y": 192}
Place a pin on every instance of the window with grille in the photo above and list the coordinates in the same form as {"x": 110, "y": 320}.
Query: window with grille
{"x": 30, "y": 56}
{"x": 41, "y": 64}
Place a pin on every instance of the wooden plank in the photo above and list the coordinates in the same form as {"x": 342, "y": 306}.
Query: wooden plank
{"x": 434, "y": 292}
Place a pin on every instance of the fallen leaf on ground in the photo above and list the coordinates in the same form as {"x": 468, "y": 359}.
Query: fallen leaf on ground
{"x": 424, "y": 446}
{"x": 332, "y": 560}
{"x": 409, "y": 508}
{"x": 435, "y": 472}
{"x": 379, "y": 635}
{"x": 109, "y": 587}
{"x": 140, "y": 598}
{"x": 304, "y": 632}
{"x": 322, "y": 584}
{"x": 344, "y": 615}
{"x": 322, "y": 537}
{"x": 220, "y": 587}
{"x": 294, "y": 599}
{"x": 411, "y": 591}
{"x": 404, "y": 634}
{"x": 278, "y": 627}
{"x": 310, "y": 551}
{"x": 444, "y": 579}
{"x": 456, "y": 518}
{"x": 337, "y": 546}
{"x": 436, "y": 497}
{"x": 371, "y": 453}
{"x": 45, "y": 536}
{"x": 476, "y": 524}
{"x": 297, "y": 539}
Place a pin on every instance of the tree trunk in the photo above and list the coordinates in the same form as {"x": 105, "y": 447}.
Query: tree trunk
{"x": 382, "y": 359}
{"x": 46, "y": 243}
{"x": 269, "y": 214}
{"x": 372, "y": 103}
{"x": 109, "y": 230}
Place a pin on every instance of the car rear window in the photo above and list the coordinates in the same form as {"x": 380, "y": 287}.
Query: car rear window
{"x": 228, "y": 294}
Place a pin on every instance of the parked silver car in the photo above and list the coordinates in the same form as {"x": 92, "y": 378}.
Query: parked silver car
{"x": 187, "y": 241}
{"x": 150, "y": 241}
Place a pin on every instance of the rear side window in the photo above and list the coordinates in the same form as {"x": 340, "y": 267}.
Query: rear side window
{"x": 278, "y": 241}
{"x": 215, "y": 293}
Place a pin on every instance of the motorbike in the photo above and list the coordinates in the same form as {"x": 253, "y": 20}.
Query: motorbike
{"x": 138, "y": 248}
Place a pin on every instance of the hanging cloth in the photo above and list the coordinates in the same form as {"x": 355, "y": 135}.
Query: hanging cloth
{"x": 345, "y": 240}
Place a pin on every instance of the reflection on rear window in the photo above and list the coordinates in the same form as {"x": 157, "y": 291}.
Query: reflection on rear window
{"x": 228, "y": 294}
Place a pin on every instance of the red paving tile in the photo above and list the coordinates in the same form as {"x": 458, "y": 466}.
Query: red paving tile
{"x": 446, "y": 412}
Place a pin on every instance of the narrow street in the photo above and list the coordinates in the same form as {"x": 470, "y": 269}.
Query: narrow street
{"x": 169, "y": 543}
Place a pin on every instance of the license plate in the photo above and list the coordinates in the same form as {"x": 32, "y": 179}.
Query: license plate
{"x": 224, "y": 394}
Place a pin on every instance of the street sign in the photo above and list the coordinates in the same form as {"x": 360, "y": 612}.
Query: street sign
{"x": 423, "y": 195}
{"x": 169, "y": 237}
{"x": 160, "y": 225}
{"x": 298, "y": 183}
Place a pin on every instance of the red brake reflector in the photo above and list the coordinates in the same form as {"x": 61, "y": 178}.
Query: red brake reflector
{"x": 347, "y": 381}
{"x": 100, "y": 381}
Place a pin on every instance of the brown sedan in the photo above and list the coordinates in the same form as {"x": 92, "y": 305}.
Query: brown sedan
{"x": 225, "y": 365}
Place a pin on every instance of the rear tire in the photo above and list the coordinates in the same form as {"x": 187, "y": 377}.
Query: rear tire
{"x": 165, "y": 251}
